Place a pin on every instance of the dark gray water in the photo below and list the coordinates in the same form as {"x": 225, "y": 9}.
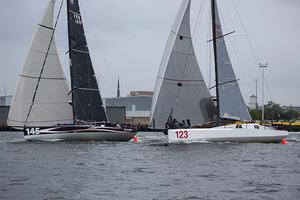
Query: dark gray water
{"x": 150, "y": 169}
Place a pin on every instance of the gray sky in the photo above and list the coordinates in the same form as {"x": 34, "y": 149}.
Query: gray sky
{"x": 127, "y": 39}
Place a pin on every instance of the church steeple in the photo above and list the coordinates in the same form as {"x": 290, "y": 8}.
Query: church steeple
{"x": 118, "y": 91}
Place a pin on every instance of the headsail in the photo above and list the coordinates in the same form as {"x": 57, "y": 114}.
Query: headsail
{"x": 180, "y": 90}
{"x": 231, "y": 101}
{"x": 87, "y": 102}
{"x": 41, "y": 97}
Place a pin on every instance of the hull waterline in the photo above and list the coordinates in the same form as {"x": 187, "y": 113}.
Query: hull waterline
{"x": 80, "y": 134}
{"x": 225, "y": 135}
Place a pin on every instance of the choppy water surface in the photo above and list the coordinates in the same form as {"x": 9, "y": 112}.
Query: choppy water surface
{"x": 150, "y": 169}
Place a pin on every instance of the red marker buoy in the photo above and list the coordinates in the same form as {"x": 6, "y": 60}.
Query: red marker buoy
{"x": 283, "y": 141}
{"x": 135, "y": 139}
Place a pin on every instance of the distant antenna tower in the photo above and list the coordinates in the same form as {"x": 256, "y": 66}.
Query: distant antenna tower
{"x": 118, "y": 91}
{"x": 263, "y": 66}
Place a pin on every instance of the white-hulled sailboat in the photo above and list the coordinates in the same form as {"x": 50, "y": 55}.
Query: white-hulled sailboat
{"x": 44, "y": 106}
{"x": 182, "y": 100}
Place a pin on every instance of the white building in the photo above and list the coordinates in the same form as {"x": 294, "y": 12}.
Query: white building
{"x": 253, "y": 102}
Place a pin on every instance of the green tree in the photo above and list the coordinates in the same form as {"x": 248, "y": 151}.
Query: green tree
{"x": 273, "y": 111}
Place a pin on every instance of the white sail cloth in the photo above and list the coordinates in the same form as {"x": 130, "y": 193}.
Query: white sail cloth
{"x": 180, "y": 90}
{"x": 44, "y": 102}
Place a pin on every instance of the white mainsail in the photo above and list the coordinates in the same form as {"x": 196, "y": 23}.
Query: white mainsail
{"x": 41, "y": 97}
{"x": 180, "y": 90}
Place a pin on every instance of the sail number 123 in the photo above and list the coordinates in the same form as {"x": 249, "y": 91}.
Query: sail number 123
{"x": 182, "y": 134}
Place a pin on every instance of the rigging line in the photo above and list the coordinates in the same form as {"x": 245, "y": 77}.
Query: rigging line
{"x": 234, "y": 52}
{"x": 101, "y": 54}
{"x": 199, "y": 15}
{"x": 241, "y": 63}
{"x": 268, "y": 88}
{"x": 250, "y": 44}
{"x": 247, "y": 35}
{"x": 44, "y": 63}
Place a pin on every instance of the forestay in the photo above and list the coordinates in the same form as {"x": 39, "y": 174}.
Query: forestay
{"x": 41, "y": 97}
{"x": 180, "y": 90}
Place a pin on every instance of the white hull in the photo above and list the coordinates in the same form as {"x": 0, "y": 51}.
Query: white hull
{"x": 79, "y": 134}
{"x": 221, "y": 134}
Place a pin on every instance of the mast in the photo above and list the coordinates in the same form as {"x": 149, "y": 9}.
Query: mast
{"x": 214, "y": 31}
{"x": 70, "y": 61}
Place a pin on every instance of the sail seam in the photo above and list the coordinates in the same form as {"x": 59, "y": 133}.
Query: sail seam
{"x": 187, "y": 54}
{"x": 74, "y": 12}
{"x": 89, "y": 89}
{"x": 182, "y": 80}
{"x": 186, "y": 37}
{"x": 177, "y": 34}
{"x": 35, "y": 77}
{"x": 42, "y": 52}
{"x": 80, "y": 51}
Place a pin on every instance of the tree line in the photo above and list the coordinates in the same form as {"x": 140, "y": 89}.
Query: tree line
{"x": 274, "y": 111}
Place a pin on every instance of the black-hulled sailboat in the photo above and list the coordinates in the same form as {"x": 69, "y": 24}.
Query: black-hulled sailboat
{"x": 182, "y": 101}
{"x": 43, "y": 104}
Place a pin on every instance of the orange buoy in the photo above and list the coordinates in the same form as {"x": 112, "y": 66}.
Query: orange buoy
{"x": 135, "y": 139}
{"x": 283, "y": 141}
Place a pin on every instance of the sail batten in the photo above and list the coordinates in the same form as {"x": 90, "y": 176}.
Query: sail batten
{"x": 180, "y": 92}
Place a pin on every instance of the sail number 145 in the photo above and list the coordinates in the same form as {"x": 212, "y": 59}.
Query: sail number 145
{"x": 32, "y": 131}
{"x": 182, "y": 134}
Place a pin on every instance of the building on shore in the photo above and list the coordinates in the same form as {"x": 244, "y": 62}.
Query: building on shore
{"x": 141, "y": 93}
{"x": 253, "y": 102}
{"x": 137, "y": 106}
{"x": 5, "y": 102}
{"x": 4, "y": 110}
{"x": 294, "y": 108}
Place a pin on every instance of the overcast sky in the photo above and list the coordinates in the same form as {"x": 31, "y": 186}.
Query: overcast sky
{"x": 127, "y": 38}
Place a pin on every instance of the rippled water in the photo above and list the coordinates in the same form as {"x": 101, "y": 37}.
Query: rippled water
{"x": 150, "y": 169}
